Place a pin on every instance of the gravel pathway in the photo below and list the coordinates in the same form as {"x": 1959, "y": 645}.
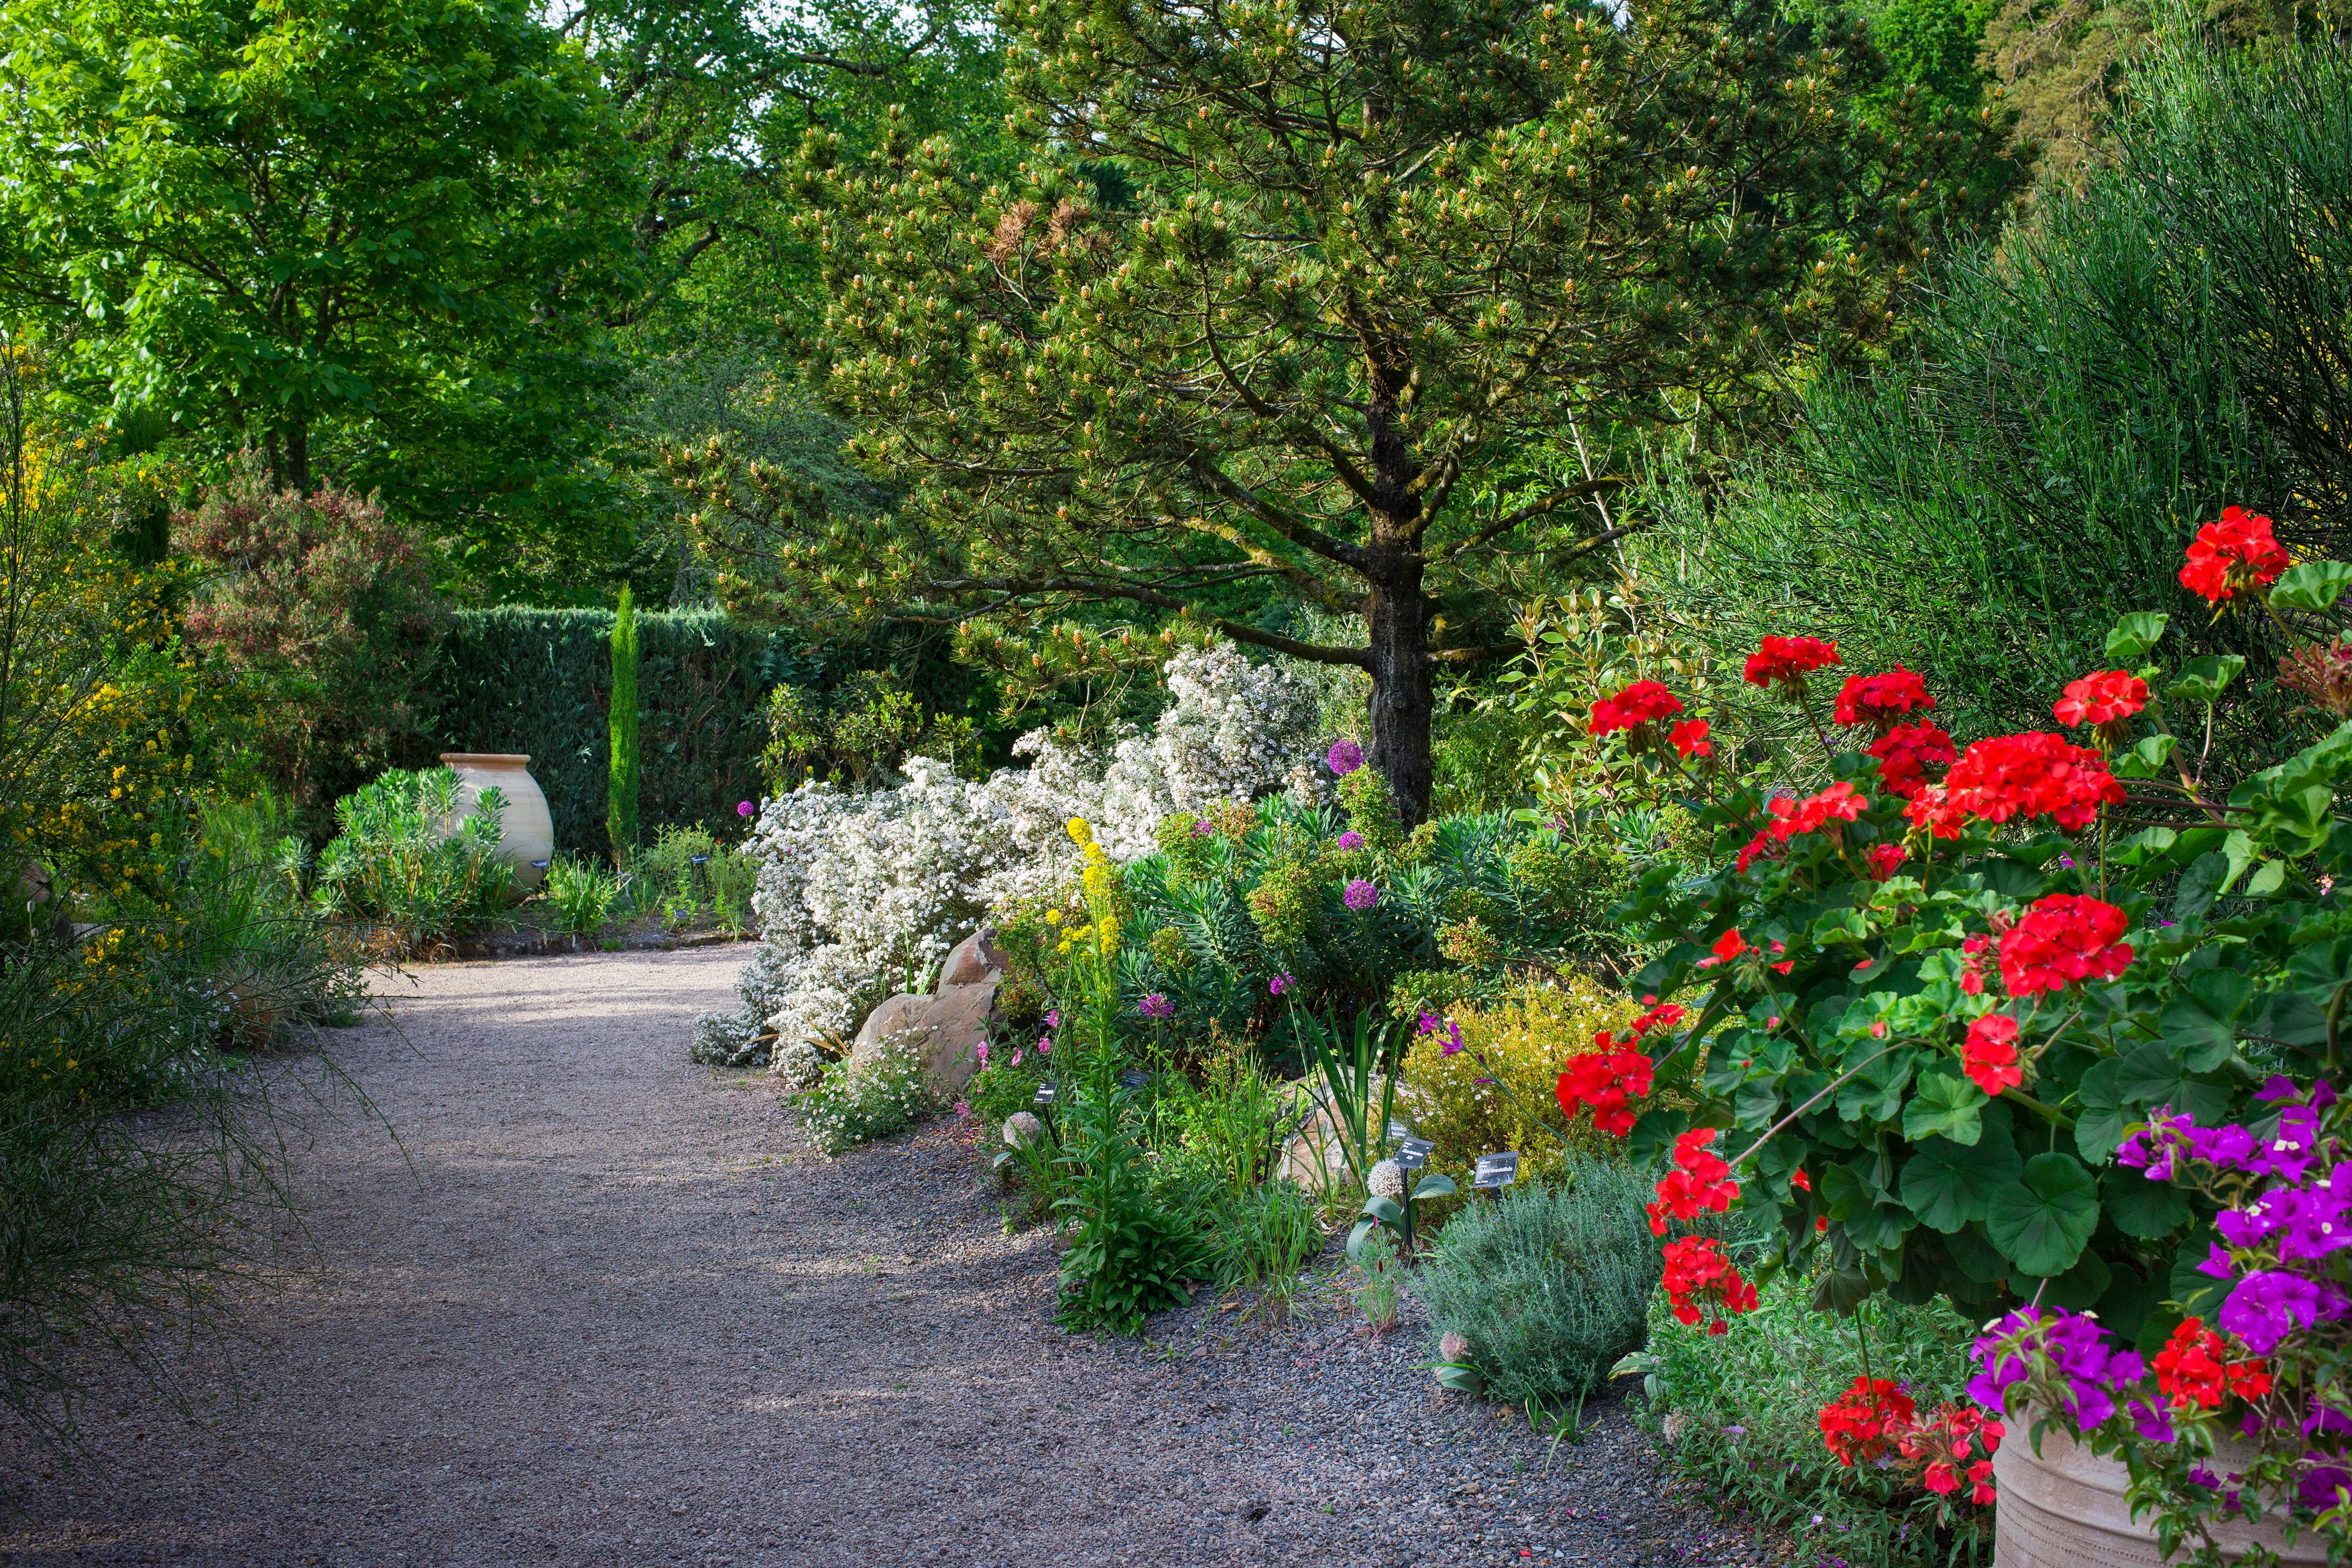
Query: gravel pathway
{"x": 599, "y": 1306}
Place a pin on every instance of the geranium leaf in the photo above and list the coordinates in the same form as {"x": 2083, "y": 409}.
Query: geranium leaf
{"x": 2198, "y": 1293}
{"x": 1876, "y": 1094}
{"x": 2313, "y": 586}
{"x": 2135, "y": 634}
{"x": 2043, "y": 1219}
{"x": 1880, "y": 1226}
{"x": 1657, "y": 1128}
{"x": 2291, "y": 1018}
{"x": 1947, "y": 1185}
{"x": 2156, "y": 1075}
{"x": 2201, "y": 885}
{"x": 1945, "y": 1106}
{"x": 2150, "y": 1211}
{"x": 2100, "y": 1120}
{"x": 2199, "y": 1024}
{"x": 1975, "y": 1257}
{"x": 2145, "y": 760}
{"x": 2077, "y": 1288}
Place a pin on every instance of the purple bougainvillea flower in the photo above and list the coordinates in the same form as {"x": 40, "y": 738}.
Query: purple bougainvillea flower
{"x": 2291, "y": 1149}
{"x": 1344, "y": 757}
{"x": 1156, "y": 1005}
{"x": 2204, "y": 1477}
{"x": 2317, "y": 1487}
{"x": 1361, "y": 895}
{"x": 2229, "y": 1147}
{"x": 2247, "y": 1227}
{"x": 2217, "y": 1264}
{"x": 2326, "y": 1419}
{"x": 2152, "y": 1149}
{"x": 1352, "y": 840}
{"x": 1280, "y": 984}
{"x": 2267, "y": 1306}
{"x": 2151, "y": 1421}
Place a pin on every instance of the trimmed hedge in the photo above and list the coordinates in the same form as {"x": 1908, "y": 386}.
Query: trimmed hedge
{"x": 541, "y": 681}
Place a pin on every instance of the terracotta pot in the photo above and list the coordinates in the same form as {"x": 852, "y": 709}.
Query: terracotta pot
{"x": 2065, "y": 1508}
{"x": 526, "y": 832}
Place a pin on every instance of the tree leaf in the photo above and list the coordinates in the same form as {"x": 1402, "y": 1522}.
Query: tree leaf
{"x": 1947, "y": 1185}
{"x": 2042, "y": 1220}
{"x": 1943, "y": 1106}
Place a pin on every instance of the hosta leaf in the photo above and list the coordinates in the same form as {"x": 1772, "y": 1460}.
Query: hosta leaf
{"x": 2042, "y": 1220}
{"x": 1947, "y": 1185}
{"x": 1943, "y": 1105}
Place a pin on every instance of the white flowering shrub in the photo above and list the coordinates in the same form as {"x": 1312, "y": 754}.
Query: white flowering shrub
{"x": 887, "y": 1095}
{"x": 863, "y": 895}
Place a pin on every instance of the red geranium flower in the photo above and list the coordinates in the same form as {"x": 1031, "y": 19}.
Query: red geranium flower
{"x": 1637, "y": 704}
{"x": 2064, "y": 939}
{"x": 1905, "y": 753}
{"x": 2194, "y": 1369}
{"x": 1689, "y": 737}
{"x": 2030, "y": 775}
{"x": 1783, "y": 661}
{"x": 1699, "y": 1183}
{"x": 1886, "y": 859}
{"x": 1932, "y": 811}
{"x": 1607, "y": 1079}
{"x": 1841, "y": 802}
{"x": 1866, "y": 1421}
{"x": 1881, "y": 700}
{"x": 1950, "y": 1441}
{"x": 2101, "y": 697}
{"x": 1697, "y": 1270}
{"x": 1989, "y": 1057}
{"x": 2228, "y": 557}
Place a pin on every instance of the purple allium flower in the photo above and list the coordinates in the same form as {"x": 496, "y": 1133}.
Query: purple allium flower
{"x": 1156, "y": 1005}
{"x": 2267, "y": 1306}
{"x": 1344, "y": 757}
{"x": 1280, "y": 983}
{"x": 743, "y": 808}
{"x": 1361, "y": 895}
{"x": 1352, "y": 840}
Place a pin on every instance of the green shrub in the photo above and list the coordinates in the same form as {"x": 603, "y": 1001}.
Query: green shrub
{"x": 540, "y": 682}
{"x": 580, "y": 896}
{"x": 1549, "y": 1284}
{"x": 395, "y": 864}
{"x": 1743, "y": 1410}
{"x": 690, "y": 874}
{"x": 883, "y": 1094}
{"x": 621, "y": 773}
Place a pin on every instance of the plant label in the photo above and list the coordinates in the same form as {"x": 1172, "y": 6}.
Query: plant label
{"x": 1496, "y": 1171}
{"x": 1133, "y": 1079}
{"x": 1044, "y": 1096}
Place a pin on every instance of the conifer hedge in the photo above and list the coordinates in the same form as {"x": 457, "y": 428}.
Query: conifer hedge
{"x": 541, "y": 681}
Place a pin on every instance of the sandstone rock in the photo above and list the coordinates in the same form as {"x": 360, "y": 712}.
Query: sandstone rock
{"x": 973, "y": 961}
{"x": 1316, "y": 1157}
{"x": 946, "y": 1028}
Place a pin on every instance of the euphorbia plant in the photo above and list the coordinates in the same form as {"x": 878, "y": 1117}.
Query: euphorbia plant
{"x": 1926, "y": 999}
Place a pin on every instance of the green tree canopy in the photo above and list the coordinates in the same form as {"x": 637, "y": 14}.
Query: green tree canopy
{"x": 1308, "y": 299}
{"x": 380, "y": 238}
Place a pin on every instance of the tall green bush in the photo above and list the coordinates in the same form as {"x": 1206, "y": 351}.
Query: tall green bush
{"x": 2125, "y": 361}
{"x": 621, "y": 776}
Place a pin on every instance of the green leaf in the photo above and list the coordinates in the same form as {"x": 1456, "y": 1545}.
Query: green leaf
{"x": 2100, "y": 1118}
{"x": 2198, "y": 1293}
{"x": 2075, "y": 1288}
{"x": 2268, "y": 878}
{"x": 1949, "y": 1186}
{"x": 1434, "y": 1186}
{"x": 2155, "y": 1075}
{"x": 1876, "y": 1095}
{"x": 2201, "y": 885}
{"x": 2146, "y": 759}
{"x": 2199, "y": 1022}
{"x": 2135, "y": 634}
{"x": 2291, "y": 1018}
{"x": 2150, "y": 1211}
{"x": 2042, "y": 1220}
{"x": 1880, "y": 1226}
{"x": 2315, "y": 586}
{"x": 1977, "y": 1257}
{"x": 1943, "y": 1105}
{"x": 1846, "y": 1193}
{"x": 2204, "y": 680}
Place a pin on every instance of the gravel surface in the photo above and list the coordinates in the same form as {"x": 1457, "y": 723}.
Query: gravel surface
{"x": 600, "y": 1306}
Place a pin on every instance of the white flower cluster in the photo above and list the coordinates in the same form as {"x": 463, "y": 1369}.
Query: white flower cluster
{"x": 863, "y": 895}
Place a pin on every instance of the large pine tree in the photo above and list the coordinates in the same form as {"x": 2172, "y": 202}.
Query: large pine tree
{"x": 1305, "y": 298}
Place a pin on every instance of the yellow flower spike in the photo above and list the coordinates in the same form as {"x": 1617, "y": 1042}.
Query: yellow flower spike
{"x": 1052, "y": 917}
{"x": 1079, "y": 832}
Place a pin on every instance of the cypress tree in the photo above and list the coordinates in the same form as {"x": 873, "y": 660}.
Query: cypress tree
{"x": 620, "y": 788}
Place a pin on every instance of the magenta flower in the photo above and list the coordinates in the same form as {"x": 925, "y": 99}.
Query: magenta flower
{"x": 1053, "y": 1017}
{"x": 1361, "y": 895}
{"x": 1156, "y": 1005}
{"x": 980, "y": 1053}
{"x": 1344, "y": 757}
{"x": 2269, "y": 1305}
{"x": 1046, "y": 1045}
{"x": 1453, "y": 1039}
{"x": 963, "y": 1109}
{"x": 1352, "y": 840}
{"x": 1280, "y": 984}
{"x": 743, "y": 808}
{"x": 1202, "y": 829}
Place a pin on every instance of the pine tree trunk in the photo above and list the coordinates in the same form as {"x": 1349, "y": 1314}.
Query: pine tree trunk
{"x": 1402, "y": 703}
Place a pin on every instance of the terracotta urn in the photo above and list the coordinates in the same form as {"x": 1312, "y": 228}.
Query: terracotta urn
{"x": 526, "y": 831}
{"x": 2065, "y": 1508}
